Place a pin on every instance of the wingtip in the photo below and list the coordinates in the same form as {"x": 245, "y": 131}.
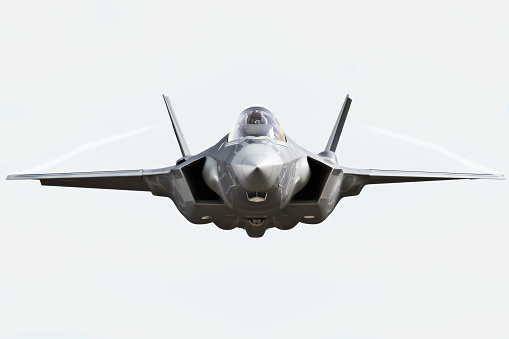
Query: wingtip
{"x": 493, "y": 176}
{"x": 16, "y": 177}
{"x": 22, "y": 176}
{"x": 497, "y": 176}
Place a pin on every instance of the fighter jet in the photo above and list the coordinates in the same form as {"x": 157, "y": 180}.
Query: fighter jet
{"x": 255, "y": 177}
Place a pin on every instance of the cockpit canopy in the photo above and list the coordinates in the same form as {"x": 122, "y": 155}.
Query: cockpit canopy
{"x": 256, "y": 121}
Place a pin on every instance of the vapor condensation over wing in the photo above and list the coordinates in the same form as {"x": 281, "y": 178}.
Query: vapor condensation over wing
{"x": 88, "y": 146}
{"x": 425, "y": 144}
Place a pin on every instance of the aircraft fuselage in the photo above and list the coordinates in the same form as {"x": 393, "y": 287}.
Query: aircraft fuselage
{"x": 252, "y": 183}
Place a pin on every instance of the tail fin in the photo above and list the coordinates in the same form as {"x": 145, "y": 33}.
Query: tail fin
{"x": 176, "y": 127}
{"x": 336, "y": 132}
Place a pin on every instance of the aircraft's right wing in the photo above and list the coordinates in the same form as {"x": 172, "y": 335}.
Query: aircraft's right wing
{"x": 132, "y": 180}
{"x": 355, "y": 179}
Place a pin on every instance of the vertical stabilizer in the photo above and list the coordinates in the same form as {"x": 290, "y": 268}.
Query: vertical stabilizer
{"x": 176, "y": 127}
{"x": 338, "y": 127}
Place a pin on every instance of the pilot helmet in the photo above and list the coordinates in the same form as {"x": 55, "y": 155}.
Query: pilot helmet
{"x": 256, "y": 117}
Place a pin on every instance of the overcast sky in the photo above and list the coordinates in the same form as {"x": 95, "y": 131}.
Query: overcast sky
{"x": 80, "y": 90}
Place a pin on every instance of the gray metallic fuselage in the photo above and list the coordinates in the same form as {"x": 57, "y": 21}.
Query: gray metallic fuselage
{"x": 252, "y": 183}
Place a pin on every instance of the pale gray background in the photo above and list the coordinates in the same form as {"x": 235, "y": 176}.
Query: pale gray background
{"x": 423, "y": 260}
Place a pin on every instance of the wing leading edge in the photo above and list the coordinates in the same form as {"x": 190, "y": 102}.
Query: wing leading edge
{"x": 376, "y": 176}
{"x": 355, "y": 179}
{"x": 131, "y": 180}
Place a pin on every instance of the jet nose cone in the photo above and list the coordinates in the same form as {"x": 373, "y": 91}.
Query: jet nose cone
{"x": 257, "y": 167}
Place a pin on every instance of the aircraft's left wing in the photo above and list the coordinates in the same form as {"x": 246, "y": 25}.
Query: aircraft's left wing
{"x": 376, "y": 176}
{"x": 355, "y": 179}
{"x": 132, "y": 180}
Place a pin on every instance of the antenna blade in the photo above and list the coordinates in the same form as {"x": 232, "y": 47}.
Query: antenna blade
{"x": 176, "y": 127}
{"x": 338, "y": 127}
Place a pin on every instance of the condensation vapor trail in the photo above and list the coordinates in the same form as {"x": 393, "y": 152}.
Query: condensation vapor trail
{"x": 439, "y": 149}
{"x": 88, "y": 146}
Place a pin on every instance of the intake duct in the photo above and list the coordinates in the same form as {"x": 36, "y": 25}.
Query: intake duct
{"x": 200, "y": 191}
{"x": 319, "y": 175}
